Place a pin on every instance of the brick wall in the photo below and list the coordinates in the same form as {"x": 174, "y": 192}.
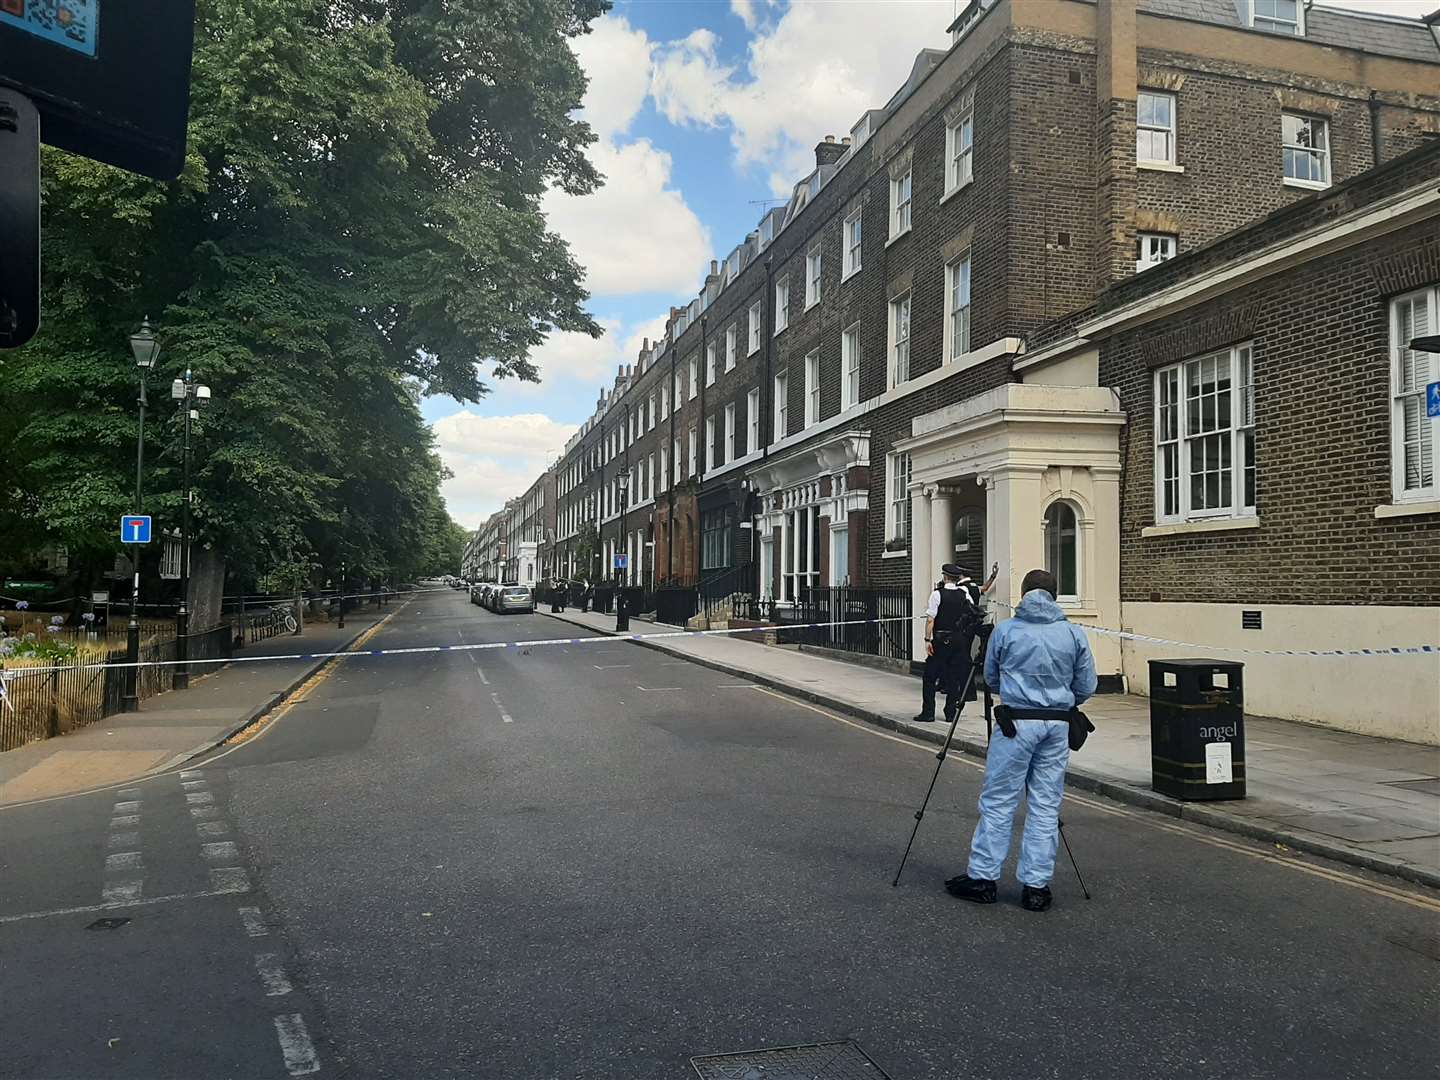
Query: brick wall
{"x": 1322, "y": 402}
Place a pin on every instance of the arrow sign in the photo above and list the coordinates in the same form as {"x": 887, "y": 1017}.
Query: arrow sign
{"x": 135, "y": 529}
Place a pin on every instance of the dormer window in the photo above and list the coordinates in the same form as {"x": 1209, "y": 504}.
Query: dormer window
{"x": 1277, "y": 16}
{"x": 859, "y": 133}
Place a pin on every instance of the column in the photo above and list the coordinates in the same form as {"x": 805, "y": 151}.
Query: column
{"x": 921, "y": 577}
{"x": 942, "y": 528}
{"x": 1015, "y": 528}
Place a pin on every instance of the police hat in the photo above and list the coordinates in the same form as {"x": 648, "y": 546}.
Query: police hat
{"x": 950, "y": 569}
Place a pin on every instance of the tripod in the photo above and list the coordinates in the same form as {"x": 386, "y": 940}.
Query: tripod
{"x": 939, "y": 761}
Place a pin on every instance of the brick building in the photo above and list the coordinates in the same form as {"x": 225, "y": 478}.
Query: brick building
{"x": 854, "y": 396}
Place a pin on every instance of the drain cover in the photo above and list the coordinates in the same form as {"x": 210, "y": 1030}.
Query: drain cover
{"x": 107, "y": 924}
{"x": 818, "y": 1061}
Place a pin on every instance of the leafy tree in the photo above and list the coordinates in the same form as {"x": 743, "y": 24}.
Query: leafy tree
{"x": 358, "y": 224}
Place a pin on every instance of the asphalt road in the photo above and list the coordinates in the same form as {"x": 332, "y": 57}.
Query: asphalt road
{"x": 595, "y": 861}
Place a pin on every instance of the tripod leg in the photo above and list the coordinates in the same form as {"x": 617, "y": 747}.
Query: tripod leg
{"x": 1073, "y": 863}
{"x": 939, "y": 761}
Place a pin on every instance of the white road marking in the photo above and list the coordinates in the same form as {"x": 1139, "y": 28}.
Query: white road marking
{"x": 272, "y": 975}
{"x": 481, "y": 672}
{"x": 199, "y": 798}
{"x": 212, "y": 828}
{"x": 116, "y": 892}
{"x": 193, "y": 785}
{"x": 609, "y": 667}
{"x": 131, "y": 807}
{"x": 222, "y": 851}
{"x": 737, "y": 686}
{"x": 295, "y": 1045}
{"x": 254, "y": 922}
{"x": 123, "y": 860}
{"x": 129, "y": 793}
{"x": 123, "y": 840}
{"x": 123, "y": 820}
{"x": 505, "y": 716}
{"x": 109, "y": 905}
{"x": 229, "y": 879}
{"x": 655, "y": 689}
{"x": 192, "y": 774}
{"x": 204, "y": 811}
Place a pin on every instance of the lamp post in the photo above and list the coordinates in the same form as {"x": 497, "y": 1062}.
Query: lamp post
{"x": 146, "y": 350}
{"x": 340, "y": 622}
{"x": 185, "y": 390}
{"x": 622, "y": 617}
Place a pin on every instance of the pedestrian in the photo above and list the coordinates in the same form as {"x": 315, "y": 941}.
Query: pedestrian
{"x": 930, "y": 676}
{"x": 951, "y": 619}
{"x": 561, "y": 588}
{"x": 587, "y": 598}
{"x": 1042, "y": 665}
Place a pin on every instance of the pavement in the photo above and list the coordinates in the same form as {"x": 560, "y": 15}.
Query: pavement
{"x": 1355, "y": 798}
{"x": 594, "y": 862}
{"x": 174, "y": 726}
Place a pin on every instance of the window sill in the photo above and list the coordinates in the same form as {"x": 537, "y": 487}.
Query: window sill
{"x": 851, "y": 274}
{"x": 1182, "y": 528}
{"x": 1305, "y": 185}
{"x": 1159, "y": 166}
{"x": 752, "y": 352}
{"x": 812, "y": 303}
{"x": 780, "y": 330}
{"x": 955, "y": 191}
{"x": 897, "y": 236}
{"x": 1413, "y": 509}
{"x": 895, "y": 554}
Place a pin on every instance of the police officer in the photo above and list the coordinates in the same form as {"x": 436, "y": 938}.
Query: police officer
{"x": 951, "y": 619}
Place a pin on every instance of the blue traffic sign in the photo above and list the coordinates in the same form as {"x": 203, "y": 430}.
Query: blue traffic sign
{"x": 1432, "y": 399}
{"x": 135, "y": 529}
{"x": 622, "y": 562}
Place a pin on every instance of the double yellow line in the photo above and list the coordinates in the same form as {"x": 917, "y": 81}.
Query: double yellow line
{"x": 1154, "y": 821}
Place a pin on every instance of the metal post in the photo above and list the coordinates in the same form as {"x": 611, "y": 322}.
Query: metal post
{"x": 340, "y": 624}
{"x": 182, "y": 617}
{"x": 130, "y": 700}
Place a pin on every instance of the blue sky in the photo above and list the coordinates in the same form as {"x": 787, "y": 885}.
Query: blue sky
{"x": 704, "y": 109}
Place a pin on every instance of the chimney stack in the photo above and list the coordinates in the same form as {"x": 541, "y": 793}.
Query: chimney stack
{"x": 828, "y": 152}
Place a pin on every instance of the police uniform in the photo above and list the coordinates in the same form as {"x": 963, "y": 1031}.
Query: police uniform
{"x": 955, "y": 608}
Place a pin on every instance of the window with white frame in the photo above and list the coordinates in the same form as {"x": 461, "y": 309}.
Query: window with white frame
{"x": 802, "y": 557}
{"x": 839, "y": 555}
{"x": 732, "y": 334}
{"x": 900, "y": 340}
{"x": 1278, "y": 16}
{"x": 782, "y": 304}
{"x": 1205, "y": 437}
{"x": 1306, "y": 146}
{"x": 812, "y": 277}
{"x": 651, "y": 490}
{"x": 1414, "y": 437}
{"x": 1061, "y": 548}
{"x": 850, "y": 367}
{"x": 1151, "y": 249}
{"x": 753, "y": 326}
{"x": 653, "y": 411}
{"x": 730, "y": 432}
{"x": 782, "y": 408}
{"x": 957, "y": 307}
{"x": 710, "y": 364}
{"x": 664, "y": 401}
{"x": 1155, "y": 128}
{"x": 900, "y": 204}
{"x": 694, "y": 371}
{"x": 694, "y": 457}
{"x": 897, "y": 502}
{"x": 664, "y": 470}
{"x": 752, "y": 421}
{"x": 812, "y": 388}
{"x": 710, "y": 460}
{"x": 960, "y": 145}
{"x": 851, "y": 260}
{"x": 679, "y": 461}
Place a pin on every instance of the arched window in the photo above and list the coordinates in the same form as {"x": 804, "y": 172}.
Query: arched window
{"x": 1061, "y": 548}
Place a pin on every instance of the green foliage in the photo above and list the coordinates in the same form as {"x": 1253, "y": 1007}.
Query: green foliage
{"x": 357, "y": 225}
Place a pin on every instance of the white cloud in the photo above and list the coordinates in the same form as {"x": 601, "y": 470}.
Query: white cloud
{"x": 636, "y": 234}
{"x": 809, "y": 74}
{"x": 745, "y": 9}
{"x": 566, "y": 360}
{"x": 494, "y": 458}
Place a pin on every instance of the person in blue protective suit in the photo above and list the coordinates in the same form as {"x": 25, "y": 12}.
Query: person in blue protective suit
{"x": 1044, "y": 670}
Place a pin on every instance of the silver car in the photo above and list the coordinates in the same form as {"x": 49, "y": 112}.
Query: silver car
{"x": 514, "y": 598}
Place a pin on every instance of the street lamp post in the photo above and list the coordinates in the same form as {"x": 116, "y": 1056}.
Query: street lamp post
{"x": 340, "y": 622}
{"x": 146, "y": 351}
{"x": 185, "y": 391}
{"x": 622, "y": 617}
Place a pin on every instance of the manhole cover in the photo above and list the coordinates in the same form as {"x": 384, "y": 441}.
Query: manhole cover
{"x": 818, "y": 1061}
{"x": 107, "y": 924}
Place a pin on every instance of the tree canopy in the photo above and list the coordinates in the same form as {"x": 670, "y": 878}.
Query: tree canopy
{"x": 357, "y": 225}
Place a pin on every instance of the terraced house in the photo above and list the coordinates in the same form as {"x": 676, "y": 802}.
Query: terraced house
{"x": 898, "y": 368}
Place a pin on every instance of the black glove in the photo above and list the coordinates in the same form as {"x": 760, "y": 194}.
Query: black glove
{"x": 1003, "y": 719}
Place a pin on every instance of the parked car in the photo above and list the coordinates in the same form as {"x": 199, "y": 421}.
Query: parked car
{"x": 514, "y": 598}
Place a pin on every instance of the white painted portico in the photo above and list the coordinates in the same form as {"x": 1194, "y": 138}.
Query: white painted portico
{"x": 1012, "y": 453}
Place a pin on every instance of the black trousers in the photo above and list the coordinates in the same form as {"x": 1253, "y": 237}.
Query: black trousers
{"x": 946, "y": 672}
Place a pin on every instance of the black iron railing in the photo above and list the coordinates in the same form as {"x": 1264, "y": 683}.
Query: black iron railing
{"x": 676, "y": 605}
{"x": 874, "y": 621}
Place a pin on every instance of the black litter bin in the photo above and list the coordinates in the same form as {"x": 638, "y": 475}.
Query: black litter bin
{"x": 1197, "y": 729}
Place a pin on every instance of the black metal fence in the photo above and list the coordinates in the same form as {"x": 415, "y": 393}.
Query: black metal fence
{"x": 676, "y": 605}
{"x": 876, "y": 620}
